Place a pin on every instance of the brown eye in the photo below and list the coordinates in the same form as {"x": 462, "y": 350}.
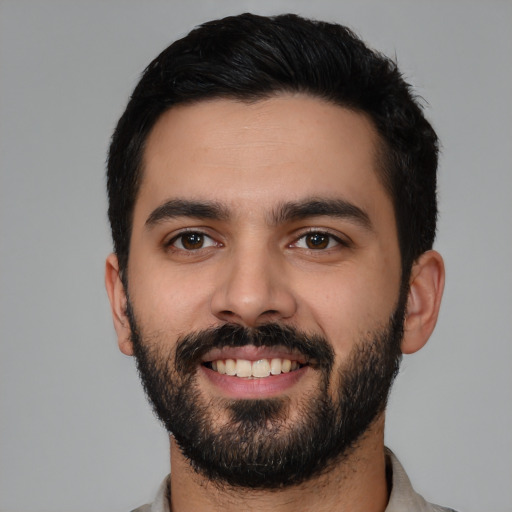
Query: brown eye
{"x": 192, "y": 241}
{"x": 317, "y": 240}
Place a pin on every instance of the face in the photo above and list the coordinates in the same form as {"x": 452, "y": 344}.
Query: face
{"x": 264, "y": 278}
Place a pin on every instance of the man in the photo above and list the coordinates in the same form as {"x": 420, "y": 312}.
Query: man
{"x": 272, "y": 188}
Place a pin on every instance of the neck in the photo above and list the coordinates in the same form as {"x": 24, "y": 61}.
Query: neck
{"x": 356, "y": 484}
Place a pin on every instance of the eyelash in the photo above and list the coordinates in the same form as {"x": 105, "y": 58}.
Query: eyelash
{"x": 330, "y": 238}
{"x": 171, "y": 243}
{"x": 324, "y": 236}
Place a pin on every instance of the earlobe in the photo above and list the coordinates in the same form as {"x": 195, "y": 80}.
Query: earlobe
{"x": 424, "y": 300}
{"x": 117, "y": 296}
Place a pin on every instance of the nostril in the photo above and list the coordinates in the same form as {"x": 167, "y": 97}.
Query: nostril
{"x": 247, "y": 320}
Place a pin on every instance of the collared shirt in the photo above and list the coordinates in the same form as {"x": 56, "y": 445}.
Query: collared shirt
{"x": 403, "y": 498}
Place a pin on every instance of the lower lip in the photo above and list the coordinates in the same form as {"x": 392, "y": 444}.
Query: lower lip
{"x": 265, "y": 387}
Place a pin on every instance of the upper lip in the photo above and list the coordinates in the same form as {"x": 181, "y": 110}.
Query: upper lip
{"x": 253, "y": 353}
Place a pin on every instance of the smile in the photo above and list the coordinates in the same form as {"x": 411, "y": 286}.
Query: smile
{"x": 261, "y": 368}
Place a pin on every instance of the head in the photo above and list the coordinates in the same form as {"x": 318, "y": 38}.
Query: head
{"x": 272, "y": 201}
{"x": 249, "y": 58}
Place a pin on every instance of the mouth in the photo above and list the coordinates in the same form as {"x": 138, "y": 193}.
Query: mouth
{"x": 254, "y": 372}
{"x": 259, "y": 369}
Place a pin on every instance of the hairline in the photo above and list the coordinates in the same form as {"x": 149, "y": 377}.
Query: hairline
{"x": 381, "y": 157}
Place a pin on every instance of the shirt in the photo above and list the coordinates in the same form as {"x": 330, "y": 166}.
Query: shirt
{"x": 403, "y": 498}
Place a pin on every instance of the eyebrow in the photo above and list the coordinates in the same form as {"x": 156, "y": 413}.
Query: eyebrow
{"x": 339, "y": 208}
{"x": 174, "y": 208}
{"x": 290, "y": 211}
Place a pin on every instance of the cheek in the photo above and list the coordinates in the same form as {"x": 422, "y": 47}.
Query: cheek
{"x": 167, "y": 301}
{"x": 347, "y": 304}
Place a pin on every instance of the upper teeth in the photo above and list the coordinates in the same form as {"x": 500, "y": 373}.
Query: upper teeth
{"x": 260, "y": 368}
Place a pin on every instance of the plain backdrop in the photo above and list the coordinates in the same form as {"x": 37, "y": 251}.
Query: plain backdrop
{"x": 76, "y": 433}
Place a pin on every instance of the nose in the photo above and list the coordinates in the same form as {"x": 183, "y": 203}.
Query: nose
{"x": 252, "y": 289}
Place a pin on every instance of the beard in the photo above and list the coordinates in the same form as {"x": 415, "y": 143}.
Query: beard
{"x": 258, "y": 447}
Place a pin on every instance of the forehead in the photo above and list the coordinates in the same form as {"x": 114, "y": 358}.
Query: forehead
{"x": 252, "y": 155}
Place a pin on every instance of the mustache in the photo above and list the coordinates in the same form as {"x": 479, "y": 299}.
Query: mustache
{"x": 192, "y": 347}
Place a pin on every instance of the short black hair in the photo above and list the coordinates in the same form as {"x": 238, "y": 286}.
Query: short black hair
{"x": 249, "y": 57}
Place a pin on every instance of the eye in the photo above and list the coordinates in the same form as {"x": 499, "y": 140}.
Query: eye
{"x": 317, "y": 240}
{"x": 191, "y": 241}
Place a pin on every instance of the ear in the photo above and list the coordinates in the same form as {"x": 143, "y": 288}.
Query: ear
{"x": 117, "y": 296}
{"x": 426, "y": 286}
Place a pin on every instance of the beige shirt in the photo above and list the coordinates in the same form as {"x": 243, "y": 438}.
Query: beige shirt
{"x": 403, "y": 498}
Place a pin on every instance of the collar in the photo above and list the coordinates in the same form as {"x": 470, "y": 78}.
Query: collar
{"x": 402, "y": 498}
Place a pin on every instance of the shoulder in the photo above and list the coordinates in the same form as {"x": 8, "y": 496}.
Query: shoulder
{"x": 161, "y": 501}
{"x": 403, "y": 498}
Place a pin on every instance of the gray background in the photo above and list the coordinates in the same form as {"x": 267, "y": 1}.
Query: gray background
{"x": 75, "y": 432}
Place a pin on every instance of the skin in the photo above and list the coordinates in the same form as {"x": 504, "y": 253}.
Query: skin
{"x": 254, "y": 268}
